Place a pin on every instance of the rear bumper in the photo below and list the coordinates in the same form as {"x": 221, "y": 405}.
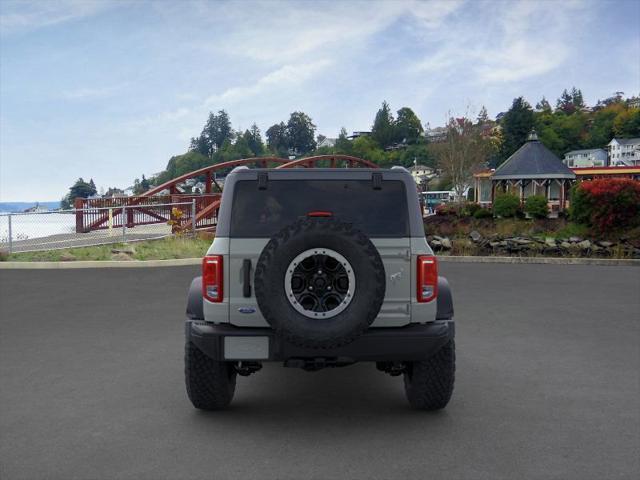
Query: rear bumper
{"x": 410, "y": 343}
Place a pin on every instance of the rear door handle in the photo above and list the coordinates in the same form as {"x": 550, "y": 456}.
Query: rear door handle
{"x": 246, "y": 278}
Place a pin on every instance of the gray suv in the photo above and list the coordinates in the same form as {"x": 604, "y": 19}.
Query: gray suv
{"x": 319, "y": 268}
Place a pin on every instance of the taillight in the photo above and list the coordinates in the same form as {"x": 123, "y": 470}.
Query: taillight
{"x": 212, "y": 278}
{"x": 320, "y": 213}
{"x": 427, "y": 278}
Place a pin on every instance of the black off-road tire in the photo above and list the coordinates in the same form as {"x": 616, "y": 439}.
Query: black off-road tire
{"x": 428, "y": 384}
{"x": 320, "y": 333}
{"x": 210, "y": 384}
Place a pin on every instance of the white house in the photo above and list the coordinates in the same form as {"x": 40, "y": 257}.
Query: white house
{"x": 421, "y": 173}
{"x": 327, "y": 142}
{"x": 435, "y": 135}
{"x": 624, "y": 152}
{"x": 594, "y": 157}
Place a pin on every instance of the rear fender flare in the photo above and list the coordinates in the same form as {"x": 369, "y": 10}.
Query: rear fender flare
{"x": 195, "y": 309}
{"x": 445, "y": 300}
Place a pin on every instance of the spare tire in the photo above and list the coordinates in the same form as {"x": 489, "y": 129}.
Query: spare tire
{"x": 319, "y": 283}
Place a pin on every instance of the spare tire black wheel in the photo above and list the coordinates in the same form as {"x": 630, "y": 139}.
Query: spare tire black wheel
{"x": 319, "y": 283}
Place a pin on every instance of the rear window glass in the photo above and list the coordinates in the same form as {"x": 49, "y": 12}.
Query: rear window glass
{"x": 262, "y": 213}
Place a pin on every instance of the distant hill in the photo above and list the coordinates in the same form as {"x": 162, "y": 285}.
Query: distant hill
{"x": 13, "y": 207}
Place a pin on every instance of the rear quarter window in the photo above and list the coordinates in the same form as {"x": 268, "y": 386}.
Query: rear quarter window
{"x": 262, "y": 213}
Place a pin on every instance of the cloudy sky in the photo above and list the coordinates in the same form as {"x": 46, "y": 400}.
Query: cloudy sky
{"x": 111, "y": 89}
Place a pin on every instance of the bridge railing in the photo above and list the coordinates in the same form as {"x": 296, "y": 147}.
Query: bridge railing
{"x": 103, "y": 213}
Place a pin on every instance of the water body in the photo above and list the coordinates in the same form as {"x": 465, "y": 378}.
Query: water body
{"x": 28, "y": 226}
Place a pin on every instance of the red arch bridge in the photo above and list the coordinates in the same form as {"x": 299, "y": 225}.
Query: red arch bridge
{"x": 165, "y": 204}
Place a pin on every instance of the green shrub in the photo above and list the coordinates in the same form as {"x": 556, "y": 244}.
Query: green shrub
{"x": 469, "y": 209}
{"x": 581, "y": 205}
{"x": 483, "y": 213}
{"x": 536, "y": 206}
{"x": 506, "y": 205}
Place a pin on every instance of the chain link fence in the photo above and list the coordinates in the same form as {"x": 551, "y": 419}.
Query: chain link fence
{"x": 58, "y": 229}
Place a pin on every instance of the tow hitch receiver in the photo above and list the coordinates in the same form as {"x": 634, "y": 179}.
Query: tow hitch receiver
{"x": 245, "y": 369}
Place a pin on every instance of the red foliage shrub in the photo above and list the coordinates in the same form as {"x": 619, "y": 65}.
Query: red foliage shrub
{"x": 447, "y": 209}
{"x": 607, "y": 204}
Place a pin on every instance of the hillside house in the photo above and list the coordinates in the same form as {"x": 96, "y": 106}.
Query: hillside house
{"x": 624, "y": 152}
{"x": 593, "y": 157}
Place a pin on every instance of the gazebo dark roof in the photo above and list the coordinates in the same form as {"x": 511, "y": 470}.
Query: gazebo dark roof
{"x": 533, "y": 160}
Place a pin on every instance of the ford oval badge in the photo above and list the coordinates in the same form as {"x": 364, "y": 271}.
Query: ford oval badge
{"x": 247, "y": 310}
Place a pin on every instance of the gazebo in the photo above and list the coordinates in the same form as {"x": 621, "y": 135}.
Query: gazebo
{"x": 532, "y": 170}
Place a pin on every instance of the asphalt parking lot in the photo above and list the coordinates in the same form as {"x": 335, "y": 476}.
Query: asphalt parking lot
{"x": 91, "y": 386}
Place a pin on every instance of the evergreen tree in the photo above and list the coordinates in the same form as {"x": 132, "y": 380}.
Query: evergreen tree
{"x": 517, "y": 123}
{"x": 216, "y": 131}
{"x": 576, "y": 99}
{"x": 144, "y": 184}
{"x": 382, "y": 130}
{"x": 343, "y": 144}
{"x": 565, "y": 103}
{"x": 483, "y": 116}
{"x": 543, "y": 106}
{"x": 80, "y": 189}
{"x": 200, "y": 145}
{"x": 408, "y": 126}
{"x": 253, "y": 138}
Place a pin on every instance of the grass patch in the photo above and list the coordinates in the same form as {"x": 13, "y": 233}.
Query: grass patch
{"x": 162, "y": 249}
{"x": 573, "y": 230}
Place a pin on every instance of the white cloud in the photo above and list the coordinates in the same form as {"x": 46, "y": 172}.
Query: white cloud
{"x": 19, "y": 16}
{"x": 526, "y": 40}
{"x": 285, "y": 77}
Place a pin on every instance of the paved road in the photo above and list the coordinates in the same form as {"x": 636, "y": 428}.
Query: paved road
{"x": 547, "y": 386}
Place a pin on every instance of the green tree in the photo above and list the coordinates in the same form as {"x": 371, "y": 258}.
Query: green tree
{"x": 601, "y": 131}
{"x": 408, "y": 126}
{"x": 277, "y": 139}
{"x": 517, "y": 123}
{"x": 383, "y": 130}
{"x": 565, "y": 103}
{"x": 141, "y": 186}
{"x": 181, "y": 164}
{"x": 544, "y": 106}
{"x": 483, "y": 116}
{"x": 627, "y": 124}
{"x": 367, "y": 148}
{"x": 216, "y": 131}
{"x": 577, "y": 99}
{"x": 200, "y": 145}
{"x": 343, "y": 144}
{"x": 301, "y": 133}
{"x": 80, "y": 189}
{"x": 253, "y": 139}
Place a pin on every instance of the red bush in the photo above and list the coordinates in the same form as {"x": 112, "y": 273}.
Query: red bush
{"x": 447, "y": 209}
{"x": 608, "y": 204}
